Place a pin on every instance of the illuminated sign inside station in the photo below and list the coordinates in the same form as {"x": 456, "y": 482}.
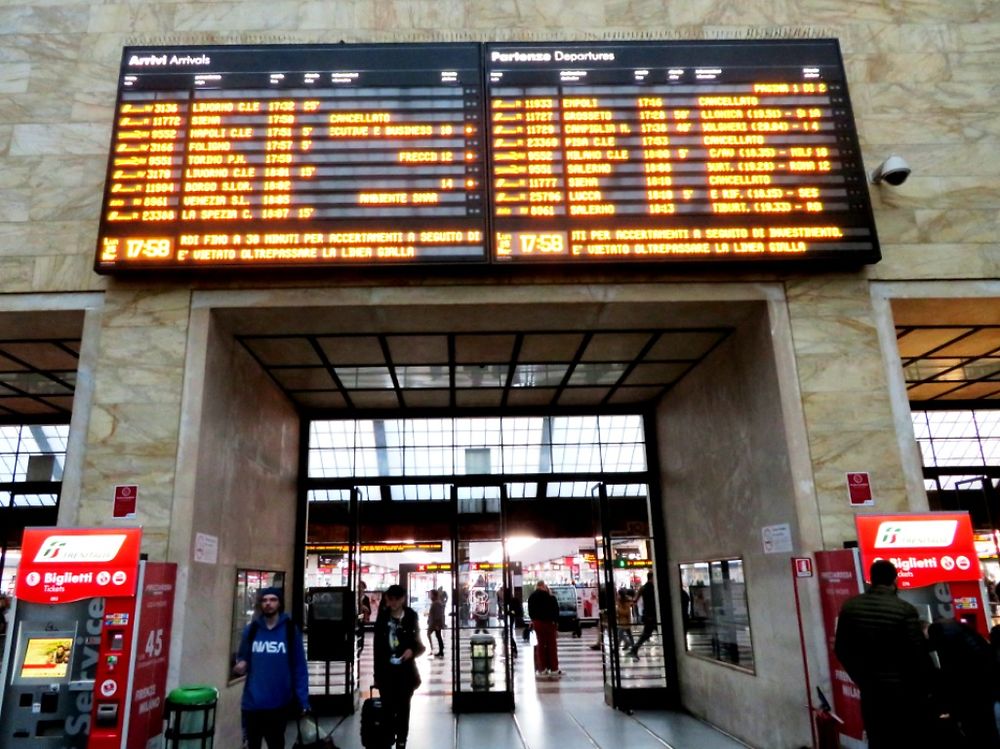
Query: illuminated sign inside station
{"x": 309, "y": 156}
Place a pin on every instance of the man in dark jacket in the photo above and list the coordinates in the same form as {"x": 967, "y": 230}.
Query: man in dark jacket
{"x": 274, "y": 661}
{"x": 647, "y": 594}
{"x": 881, "y": 645}
{"x": 543, "y": 609}
{"x": 397, "y": 645}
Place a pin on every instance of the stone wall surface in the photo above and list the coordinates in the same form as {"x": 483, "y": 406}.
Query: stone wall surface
{"x": 919, "y": 74}
{"x": 725, "y": 474}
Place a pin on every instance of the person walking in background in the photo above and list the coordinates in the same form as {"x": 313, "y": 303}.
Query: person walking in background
{"x": 397, "y": 646}
{"x": 968, "y": 680}
{"x": 273, "y": 659}
{"x": 881, "y": 644}
{"x": 435, "y": 622}
{"x": 515, "y": 615}
{"x": 543, "y": 608}
{"x": 647, "y": 594}
{"x": 623, "y": 617}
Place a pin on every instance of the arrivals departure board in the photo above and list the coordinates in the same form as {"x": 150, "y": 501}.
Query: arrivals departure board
{"x": 690, "y": 151}
{"x": 574, "y": 153}
{"x": 296, "y": 156}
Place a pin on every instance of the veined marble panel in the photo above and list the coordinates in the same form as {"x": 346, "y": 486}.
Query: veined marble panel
{"x": 22, "y": 108}
{"x": 131, "y": 431}
{"x": 977, "y": 37}
{"x": 934, "y": 261}
{"x": 975, "y": 67}
{"x": 66, "y": 272}
{"x": 37, "y": 18}
{"x": 423, "y": 14}
{"x": 56, "y": 138}
{"x": 837, "y": 335}
{"x": 889, "y": 38}
{"x": 15, "y": 275}
{"x": 56, "y": 78}
{"x": 236, "y": 16}
{"x": 344, "y": 14}
{"x": 144, "y": 308}
{"x": 137, "y": 17}
{"x": 929, "y": 128}
{"x": 561, "y": 16}
{"x": 152, "y": 375}
{"x": 822, "y": 373}
{"x": 864, "y": 411}
{"x": 14, "y": 77}
{"x": 944, "y": 226}
{"x": 15, "y": 205}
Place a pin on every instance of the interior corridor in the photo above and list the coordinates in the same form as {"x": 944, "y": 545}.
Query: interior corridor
{"x": 564, "y": 713}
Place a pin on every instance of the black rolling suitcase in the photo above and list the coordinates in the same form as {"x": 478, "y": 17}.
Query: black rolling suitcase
{"x": 376, "y": 733}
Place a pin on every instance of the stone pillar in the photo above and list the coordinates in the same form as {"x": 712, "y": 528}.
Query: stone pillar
{"x": 132, "y": 437}
{"x": 846, "y": 401}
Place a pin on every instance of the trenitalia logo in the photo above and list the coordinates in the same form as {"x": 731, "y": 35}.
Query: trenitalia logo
{"x": 912, "y": 534}
{"x": 97, "y": 548}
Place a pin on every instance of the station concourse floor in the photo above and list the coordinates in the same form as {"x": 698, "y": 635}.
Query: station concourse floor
{"x": 565, "y": 713}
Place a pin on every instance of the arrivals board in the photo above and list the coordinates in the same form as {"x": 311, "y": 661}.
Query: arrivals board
{"x": 334, "y": 155}
{"x": 299, "y": 156}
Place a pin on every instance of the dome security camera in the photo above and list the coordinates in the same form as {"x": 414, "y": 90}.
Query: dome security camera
{"x": 893, "y": 171}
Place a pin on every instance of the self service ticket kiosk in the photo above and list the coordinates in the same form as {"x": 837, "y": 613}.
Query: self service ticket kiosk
{"x": 85, "y": 661}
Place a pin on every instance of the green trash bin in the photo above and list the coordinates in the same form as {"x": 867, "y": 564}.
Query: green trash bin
{"x": 190, "y": 716}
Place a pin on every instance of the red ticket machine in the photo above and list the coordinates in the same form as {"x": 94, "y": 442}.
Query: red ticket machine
{"x": 936, "y": 562}
{"x": 86, "y": 655}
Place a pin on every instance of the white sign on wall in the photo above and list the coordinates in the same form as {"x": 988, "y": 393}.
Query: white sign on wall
{"x": 206, "y": 548}
{"x": 776, "y": 539}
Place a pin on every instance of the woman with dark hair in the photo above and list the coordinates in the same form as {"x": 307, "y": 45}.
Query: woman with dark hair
{"x": 397, "y": 645}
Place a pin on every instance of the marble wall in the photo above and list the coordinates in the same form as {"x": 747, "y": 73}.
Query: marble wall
{"x": 237, "y": 481}
{"x": 919, "y": 72}
{"x": 725, "y": 463}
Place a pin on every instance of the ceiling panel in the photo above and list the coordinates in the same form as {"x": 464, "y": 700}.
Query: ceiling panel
{"x": 314, "y": 378}
{"x": 551, "y": 347}
{"x": 488, "y": 370}
{"x": 483, "y": 398}
{"x": 980, "y": 343}
{"x": 656, "y": 374}
{"x": 352, "y": 349}
{"x": 615, "y": 346}
{"x": 483, "y": 349}
{"x": 423, "y": 349}
{"x": 275, "y": 351}
{"x": 917, "y": 342}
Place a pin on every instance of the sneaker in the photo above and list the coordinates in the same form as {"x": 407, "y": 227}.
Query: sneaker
{"x": 557, "y": 673}
{"x": 634, "y": 653}
{"x": 595, "y": 647}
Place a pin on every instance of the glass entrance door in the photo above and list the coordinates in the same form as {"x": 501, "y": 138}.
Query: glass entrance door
{"x": 482, "y": 669}
{"x": 635, "y": 644}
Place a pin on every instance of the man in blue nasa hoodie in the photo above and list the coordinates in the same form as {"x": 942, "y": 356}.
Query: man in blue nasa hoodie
{"x": 277, "y": 685}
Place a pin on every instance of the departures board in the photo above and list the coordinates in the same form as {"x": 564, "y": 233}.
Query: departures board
{"x": 575, "y": 153}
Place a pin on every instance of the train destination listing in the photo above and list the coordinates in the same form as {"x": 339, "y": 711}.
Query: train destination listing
{"x": 643, "y": 159}
{"x": 459, "y": 153}
{"x": 375, "y": 165}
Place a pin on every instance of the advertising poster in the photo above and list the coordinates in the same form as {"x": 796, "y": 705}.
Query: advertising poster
{"x": 152, "y": 654}
{"x": 839, "y": 579}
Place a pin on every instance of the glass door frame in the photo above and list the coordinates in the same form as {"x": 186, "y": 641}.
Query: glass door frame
{"x": 490, "y": 700}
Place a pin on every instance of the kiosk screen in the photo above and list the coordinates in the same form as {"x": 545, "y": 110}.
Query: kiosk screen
{"x": 46, "y": 658}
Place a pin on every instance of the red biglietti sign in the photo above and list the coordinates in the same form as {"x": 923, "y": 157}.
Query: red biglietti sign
{"x": 59, "y": 565}
{"x": 926, "y": 548}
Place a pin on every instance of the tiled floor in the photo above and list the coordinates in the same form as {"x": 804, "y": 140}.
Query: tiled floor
{"x": 565, "y": 713}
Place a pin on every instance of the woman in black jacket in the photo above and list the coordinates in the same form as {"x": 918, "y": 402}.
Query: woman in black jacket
{"x": 397, "y": 645}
